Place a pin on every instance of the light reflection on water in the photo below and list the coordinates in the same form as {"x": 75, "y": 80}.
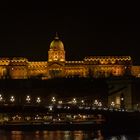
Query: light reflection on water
{"x": 61, "y": 135}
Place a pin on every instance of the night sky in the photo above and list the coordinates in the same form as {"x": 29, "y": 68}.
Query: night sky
{"x": 85, "y": 31}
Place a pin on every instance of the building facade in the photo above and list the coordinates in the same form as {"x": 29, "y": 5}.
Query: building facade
{"x": 58, "y": 66}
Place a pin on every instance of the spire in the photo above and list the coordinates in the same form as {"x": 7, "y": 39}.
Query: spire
{"x": 56, "y": 36}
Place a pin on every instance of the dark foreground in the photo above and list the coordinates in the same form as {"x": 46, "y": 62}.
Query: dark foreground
{"x": 65, "y": 135}
{"x": 106, "y": 129}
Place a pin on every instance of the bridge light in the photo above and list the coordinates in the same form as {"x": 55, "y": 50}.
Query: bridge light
{"x": 60, "y": 102}
{"x": 82, "y": 101}
{"x": 112, "y": 104}
{"x": 100, "y": 104}
{"x": 50, "y": 108}
{"x": 96, "y": 102}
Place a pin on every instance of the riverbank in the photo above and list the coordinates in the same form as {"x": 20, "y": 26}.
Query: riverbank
{"x": 56, "y": 126}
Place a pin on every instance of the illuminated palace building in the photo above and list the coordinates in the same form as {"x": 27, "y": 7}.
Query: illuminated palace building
{"x": 58, "y": 66}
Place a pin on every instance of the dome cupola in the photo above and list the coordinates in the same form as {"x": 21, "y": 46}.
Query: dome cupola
{"x": 56, "y": 44}
{"x": 56, "y": 51}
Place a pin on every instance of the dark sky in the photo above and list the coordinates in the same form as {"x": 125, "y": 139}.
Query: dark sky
{"x": 28, "y": 30}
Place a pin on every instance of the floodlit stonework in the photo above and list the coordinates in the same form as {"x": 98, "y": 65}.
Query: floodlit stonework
{"x": 58, "y": 66}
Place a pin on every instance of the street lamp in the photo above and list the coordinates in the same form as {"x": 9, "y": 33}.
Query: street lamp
{"x": 53, "y": 99}
{"x": 12, "y": 99}
{"x": 1, "y": 98}
{"x": 38, "y": 100}
{"x": 28, "y": 99}
{"x": 74, "y": 101}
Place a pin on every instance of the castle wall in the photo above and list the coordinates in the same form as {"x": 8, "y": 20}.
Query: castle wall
{"x": 135, "y": 71}
{"x": 57, "y": 66}
{"x": 18, "y": 69}
{"x": 37, "y": 69}
{"x": 75, "y": 68}
{"x": 4, "y": 62}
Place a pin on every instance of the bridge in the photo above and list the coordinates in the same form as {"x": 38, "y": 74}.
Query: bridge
{"x": 54, "y": 116}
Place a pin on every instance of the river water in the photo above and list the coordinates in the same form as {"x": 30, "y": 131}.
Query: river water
{"x": 63, "y": 135}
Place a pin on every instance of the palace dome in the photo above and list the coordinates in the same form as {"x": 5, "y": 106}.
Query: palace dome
{"x": 57, "y": 44}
